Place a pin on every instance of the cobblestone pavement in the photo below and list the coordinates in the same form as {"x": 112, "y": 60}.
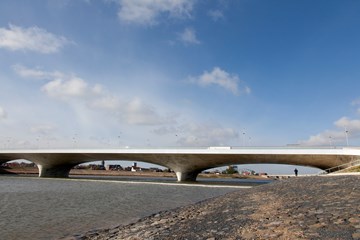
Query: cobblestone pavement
{"x": 296, "y": 208}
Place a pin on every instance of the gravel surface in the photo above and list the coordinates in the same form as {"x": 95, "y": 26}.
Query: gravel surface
{"x": 296, "y": 208}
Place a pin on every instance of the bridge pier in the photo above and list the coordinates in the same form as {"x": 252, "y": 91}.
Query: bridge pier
{"x": 189, "y": 176}
{"x": 58, "y": 171}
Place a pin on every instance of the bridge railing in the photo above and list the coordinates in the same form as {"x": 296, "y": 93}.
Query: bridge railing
{"x": 15, "y": 147}
{"x": 340, "y": 167}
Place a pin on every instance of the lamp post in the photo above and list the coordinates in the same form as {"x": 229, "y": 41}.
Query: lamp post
{"x": 330, "y": 140}
{"x": 346, "y": 136}
{"x": 243, "y": 139}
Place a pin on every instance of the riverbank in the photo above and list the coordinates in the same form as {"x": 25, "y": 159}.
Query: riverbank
{"x": 44, "y": 208}
{"x": 295, "y": 208}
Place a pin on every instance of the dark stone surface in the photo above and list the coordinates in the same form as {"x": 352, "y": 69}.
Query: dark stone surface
{"x": 297, "y": 208}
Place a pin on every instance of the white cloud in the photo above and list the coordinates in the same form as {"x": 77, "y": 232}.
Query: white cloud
{"x": 44, "y": 129}
{"x": 356, "y": 103}
{"x": 221, "y": 78}
{"x": 71, "y": 89}
{"x": 33, "y": 39}
{"x": 188, "y": 36}
{"x": 3, "y": 113}
{"x": 133, "y": 112}
{"x": 325, "y": 138}
{"x": 63, "y": 89}
{"x": 108, "y": 103}
{"x": 165, "y": 130}
{"x": 147, "y": 12}
{"x": 59, "y": 85}
{"x": 140, "y": 113}
{"x": 205, "y": 135}
{"x": 337, "y": 136}
{"x": 36, "y": 73}
{"x": 216, "y": 15}
{"x": 345, "y": 122}
{"x": 247, "y": 90}
{"x": 199, "y": 134}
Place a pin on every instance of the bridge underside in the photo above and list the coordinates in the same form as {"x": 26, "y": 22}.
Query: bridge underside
{"x": 186, "y": 165}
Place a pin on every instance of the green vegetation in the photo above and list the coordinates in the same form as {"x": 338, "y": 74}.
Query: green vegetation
{"x": 353, "y": 169}
{"x": 230, "y": 170}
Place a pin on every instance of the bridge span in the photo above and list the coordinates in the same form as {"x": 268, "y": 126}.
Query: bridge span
{"x": 186, "y": 163}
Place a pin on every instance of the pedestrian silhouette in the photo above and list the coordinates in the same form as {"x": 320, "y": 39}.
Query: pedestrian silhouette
{"x": 296, "y": 172}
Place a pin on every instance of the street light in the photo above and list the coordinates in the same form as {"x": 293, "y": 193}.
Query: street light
{"x": 119, "y": 140}
{"x": 243, "y": 139}
{"x": 346, "y": 135}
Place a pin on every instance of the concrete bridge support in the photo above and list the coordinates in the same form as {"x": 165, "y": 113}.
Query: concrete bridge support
{"x": 54, "y": 171}
{"x": 187, "y": 176}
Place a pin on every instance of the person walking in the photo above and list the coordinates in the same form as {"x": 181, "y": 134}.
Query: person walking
{"x": 296, "y": 172}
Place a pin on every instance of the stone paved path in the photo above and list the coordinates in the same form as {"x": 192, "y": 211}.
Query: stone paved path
{"x": 296, "y": 208}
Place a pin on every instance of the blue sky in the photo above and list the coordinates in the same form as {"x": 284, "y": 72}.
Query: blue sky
{"x": 116, "y": 73}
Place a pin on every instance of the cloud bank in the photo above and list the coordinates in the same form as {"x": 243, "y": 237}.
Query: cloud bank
{"x": 345, "y": 127}
{"x": 73, "y": 89}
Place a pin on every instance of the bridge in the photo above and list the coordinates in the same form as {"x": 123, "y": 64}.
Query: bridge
{"x": 186, "y": 163}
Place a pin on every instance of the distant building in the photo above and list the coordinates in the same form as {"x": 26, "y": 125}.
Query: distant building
{"x": 113, "y": 167}
{"x": 247, "y": 172}
{"x": 135, "y": 168}
{"x": 127, "y": 169}
{"x": 18, "y": 164}
{"x": 96, "y": 167}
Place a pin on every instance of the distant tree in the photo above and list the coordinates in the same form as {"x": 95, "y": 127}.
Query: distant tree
{"x": 230, "y": 170}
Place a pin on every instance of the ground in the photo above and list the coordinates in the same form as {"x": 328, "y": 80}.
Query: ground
{"x": 320, "y": 207}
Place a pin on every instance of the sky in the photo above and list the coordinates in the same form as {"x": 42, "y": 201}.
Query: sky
{"x": 180, "y": 73}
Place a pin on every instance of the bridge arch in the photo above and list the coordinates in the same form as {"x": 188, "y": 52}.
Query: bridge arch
{"x": 186, "y": 163}
{"x": 8, "y": 163}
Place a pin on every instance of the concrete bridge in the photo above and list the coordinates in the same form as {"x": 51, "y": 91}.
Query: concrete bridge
{"x": 187, "y": 163}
